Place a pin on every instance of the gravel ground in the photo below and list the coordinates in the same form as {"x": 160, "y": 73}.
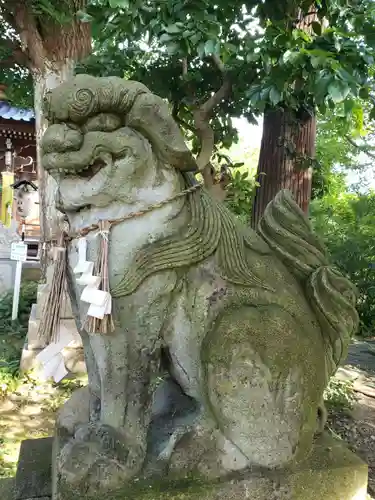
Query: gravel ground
{"x": 357, "y": 426}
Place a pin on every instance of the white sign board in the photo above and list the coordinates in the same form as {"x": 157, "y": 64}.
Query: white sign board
{"x": 18, "y": 251}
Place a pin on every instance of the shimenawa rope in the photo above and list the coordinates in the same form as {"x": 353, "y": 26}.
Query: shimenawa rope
{"x": 49, "y": 326}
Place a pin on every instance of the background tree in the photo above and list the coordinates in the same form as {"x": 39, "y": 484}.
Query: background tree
{"x": 320, "y": 47}
{"x": 288, "y": 60}
{"x": 41, "y": 40}
{"x": 217, "y": 61}
{"x": 345, "y": 221}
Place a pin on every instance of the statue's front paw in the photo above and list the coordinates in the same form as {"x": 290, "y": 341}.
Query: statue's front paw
{"x": 97, "y": 459}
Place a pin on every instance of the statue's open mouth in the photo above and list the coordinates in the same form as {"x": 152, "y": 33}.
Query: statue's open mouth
{"x": 86, "y": 172}
{"x": 89, "y": 172}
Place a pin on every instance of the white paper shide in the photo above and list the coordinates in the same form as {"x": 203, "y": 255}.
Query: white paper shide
{"x": 100, "y": 301}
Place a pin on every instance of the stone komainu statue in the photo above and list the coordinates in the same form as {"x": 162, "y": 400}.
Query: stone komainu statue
{"x": 246, "y": 327}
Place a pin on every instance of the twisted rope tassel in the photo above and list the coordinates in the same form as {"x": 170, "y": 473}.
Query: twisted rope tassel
{"x": 48, "y": 329}
{"x": 105, "y": 325}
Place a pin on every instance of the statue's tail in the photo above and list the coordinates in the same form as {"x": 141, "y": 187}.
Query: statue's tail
{"x": 333, "y": 298}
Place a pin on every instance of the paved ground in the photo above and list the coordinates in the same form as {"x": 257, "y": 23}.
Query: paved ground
{"x": 362, "y": 355}
{"x": 357, "y": 427}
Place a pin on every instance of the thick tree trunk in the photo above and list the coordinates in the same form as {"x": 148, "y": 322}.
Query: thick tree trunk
{"x": 287, "y": 146}
{"x": 51, "y": 50}
{"x": 52, "y": 75}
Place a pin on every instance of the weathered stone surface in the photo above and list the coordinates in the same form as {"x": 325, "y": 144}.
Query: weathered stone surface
{"x": 74, "y": 412}
{"x": 33, "y": 339}
{"x": 332, "y": 472}
{"x": 245, "y": 327}
{"x": 33, "y": 477}
{"x": 7, "y": 489}
{"x": 66, "y": 308}
{"x": 73, "y": 355}
{"x": 28, "y": 359}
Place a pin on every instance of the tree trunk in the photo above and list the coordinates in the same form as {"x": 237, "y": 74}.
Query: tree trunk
{"x": 50, "y": 77}
{"x": 51, "y": 49}
{"x": 286, "y": 150}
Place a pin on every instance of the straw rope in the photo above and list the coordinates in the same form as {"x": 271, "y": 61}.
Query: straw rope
{"x": 49, "y": 325}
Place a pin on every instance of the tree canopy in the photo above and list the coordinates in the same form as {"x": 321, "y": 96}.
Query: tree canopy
{"x": 252, "y": 54}
{"x": 215, "y": 61}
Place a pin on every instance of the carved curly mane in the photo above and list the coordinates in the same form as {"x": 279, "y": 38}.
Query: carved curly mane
{"x": 284, "y": 231}
{"x": 211, "y": 228}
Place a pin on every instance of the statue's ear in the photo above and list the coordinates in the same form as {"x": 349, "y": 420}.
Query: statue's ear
{"x": 150, "y": 116}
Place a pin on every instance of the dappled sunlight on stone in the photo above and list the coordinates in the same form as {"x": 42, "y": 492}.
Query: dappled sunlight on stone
{"x": 361, "y": 494}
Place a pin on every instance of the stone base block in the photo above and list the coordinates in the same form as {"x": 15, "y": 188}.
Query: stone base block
{"x": 7, "y": 489}
{"x": 33, "y": 340}
{"x": 33, "y": 477}
{"x": 66, "y": 308}
{"x": 66, "y": 325}
{"x": 332, "y": 472}
{"x": 28, "y": 359}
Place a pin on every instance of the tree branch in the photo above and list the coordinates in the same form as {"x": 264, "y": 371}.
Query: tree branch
{"x": 16, "y": 55}
{"x": 31, "y": 40}
{"x": 222, "y": 93}
{"x": 203, "y": 114}
{"x": 362, "y": 149}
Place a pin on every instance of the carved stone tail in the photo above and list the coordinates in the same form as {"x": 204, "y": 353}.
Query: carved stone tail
{"x": 332, "y": 297}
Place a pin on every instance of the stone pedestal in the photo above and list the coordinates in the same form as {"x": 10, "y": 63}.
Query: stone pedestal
{"x": 73, "y": 354}
{"x": 33, "y": 477}
{"x": 332, "y": 472}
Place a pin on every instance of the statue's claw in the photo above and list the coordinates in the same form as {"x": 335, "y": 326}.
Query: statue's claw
{"x": 97, "y": 459}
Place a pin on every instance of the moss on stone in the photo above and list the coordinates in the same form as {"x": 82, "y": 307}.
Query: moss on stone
{"x": 190, "y": 488}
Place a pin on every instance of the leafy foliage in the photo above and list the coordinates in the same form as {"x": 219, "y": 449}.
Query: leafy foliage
{"x": 333, "y": 149}
{"x": 28, "y": 297}
{"x": 346, "y": 223}
{"x": 274, "y": 56}
{"x": 241, "y": 192}
{"x": 339, "y": 394}
{"x": 12, "y": 334}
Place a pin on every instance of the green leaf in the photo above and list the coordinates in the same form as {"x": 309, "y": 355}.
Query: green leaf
{"x": 338, "y": 91}
{"x": 173, "y": 48}
{"x": 172, "y": 28}
{"x": 274, "y": 96}
{"x": 316, "y": 62}
{"x": 291, "y": 56}
{"x": 349, "y": 105}
{"x": 209, "y": 47}
{"x": 364, "y": 93}
{"x": 197, "y": 37}
{"x": 124, "y": 4}
{"x": 253, "y": 56}
{"x": 254, "y": 95}
{"x": 201, "y": 50}
{"x": 372, "y": 114}
{"x": 317, "y": 28}
{"x": 165, "y": 37}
